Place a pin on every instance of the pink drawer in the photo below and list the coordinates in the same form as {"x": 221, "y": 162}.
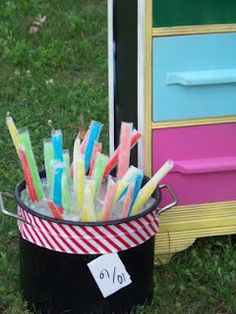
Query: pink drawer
{"x": 205, "y": 161}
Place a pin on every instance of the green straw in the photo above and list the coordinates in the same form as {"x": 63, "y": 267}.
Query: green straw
{"x": 99, "y": 167}
{"x": 24, "y": 138}
{"x": 66, "y": 160}
{"x": 48, "y": 158}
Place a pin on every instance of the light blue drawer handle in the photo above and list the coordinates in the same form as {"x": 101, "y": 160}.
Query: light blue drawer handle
{"x": 194, "y": 78}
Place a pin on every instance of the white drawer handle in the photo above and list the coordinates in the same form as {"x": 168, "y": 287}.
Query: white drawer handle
{"x": 194, "y": 78}
{"x": 191, "y": 166}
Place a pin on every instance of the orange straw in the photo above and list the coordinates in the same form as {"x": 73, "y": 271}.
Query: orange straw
{"x": 27, "y": 174}
{"x": 124, "y": 150}
{"x": 55, "y": 211}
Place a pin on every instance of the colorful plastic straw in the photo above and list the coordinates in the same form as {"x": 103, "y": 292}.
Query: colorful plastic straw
{"x": 27, "y": 174}
{"x": 126, "y": 188}
{"x": 128, "y": 200}
{"x": 146, "y": 192}
{"x": 13, "y": 131}
{"x": 66, "y": 160}
{"x": 94, "y": 132}
{"x": 24, "y": 138}
{"x": 88, "y": 211}
{"x": 100, "y": 164}
{"x": 57, "y": 144}
{"x": 80, "y": 184}
{"x": 66, "y": 199}
{"x": 96, "y": 149}
{"x": 58, "y": 169}
{"x": 114, "y": 158}
{"x": 124, "y": 150}
{"x": 109, "y": 199}
{"x": 48, "y": 158}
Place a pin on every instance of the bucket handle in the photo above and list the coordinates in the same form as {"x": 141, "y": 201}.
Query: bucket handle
{"x": 173, "y": 196}
{"x": 7, "y": 212}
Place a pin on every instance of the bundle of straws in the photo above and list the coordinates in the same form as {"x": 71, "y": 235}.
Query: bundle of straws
{"x": 84, "y": 187}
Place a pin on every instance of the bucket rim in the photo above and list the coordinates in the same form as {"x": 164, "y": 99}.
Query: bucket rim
{"x": 20, "y": 186}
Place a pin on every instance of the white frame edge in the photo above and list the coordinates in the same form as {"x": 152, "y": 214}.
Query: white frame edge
{"x": 110, "y": 74}
{"x": 141, "y": 82}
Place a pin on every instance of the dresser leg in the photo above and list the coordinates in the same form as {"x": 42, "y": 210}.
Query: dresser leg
{"x": 182, "y": 225}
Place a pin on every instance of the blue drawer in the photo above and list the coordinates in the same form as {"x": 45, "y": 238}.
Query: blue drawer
{"x": 194, "y": 76}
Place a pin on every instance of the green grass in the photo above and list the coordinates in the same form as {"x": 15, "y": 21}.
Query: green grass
{"x": 199, "y": 280}
{"x": 71, "y": 50}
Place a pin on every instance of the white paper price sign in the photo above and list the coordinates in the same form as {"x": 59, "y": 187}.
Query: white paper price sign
{"x": 109, "y": 273}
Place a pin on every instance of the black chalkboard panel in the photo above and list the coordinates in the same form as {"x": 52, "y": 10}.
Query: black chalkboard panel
{"x": 125, "y": 65}
{"x": 193, "y": 12}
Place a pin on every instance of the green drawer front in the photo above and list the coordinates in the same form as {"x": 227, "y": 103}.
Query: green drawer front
{"x": 193, "y": 12}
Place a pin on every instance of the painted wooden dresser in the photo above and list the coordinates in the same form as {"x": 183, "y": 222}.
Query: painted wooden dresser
{"x": 173, "y": 73}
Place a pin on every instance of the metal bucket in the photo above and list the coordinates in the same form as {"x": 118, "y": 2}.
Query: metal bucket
{"x": 54, "y": 254}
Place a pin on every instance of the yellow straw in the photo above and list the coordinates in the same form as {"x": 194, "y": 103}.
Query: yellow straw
{"x": 85, "y": 216}
{"x": 121, "y": 186}
{"x": 88, "y": 210}
{"x": 146, "y": 192}
{"x": 81, "y": 182}
{"x": 14, "y": 133}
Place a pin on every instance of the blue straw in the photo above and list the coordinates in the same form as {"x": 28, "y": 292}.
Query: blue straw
{"x": 138, "y": 182}
{"x": 57, "y": 144}
{"x": 57, "y": 184}
{"x": 94, "y": 132}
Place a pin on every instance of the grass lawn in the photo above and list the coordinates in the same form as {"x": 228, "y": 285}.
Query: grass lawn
{"x": 56, "y": 74}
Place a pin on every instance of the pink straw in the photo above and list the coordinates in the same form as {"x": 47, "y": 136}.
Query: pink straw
{"x": 71, "y": 170}
{"x": 84, "y": 142}
{"x": 124, "y": 150}
{"x": 114, "y": 158}
{"x": 28, "y": 176}
{"x": 96, "y": 149}
{"x": 109, "y": 199}
{"x": 128, "y": 200}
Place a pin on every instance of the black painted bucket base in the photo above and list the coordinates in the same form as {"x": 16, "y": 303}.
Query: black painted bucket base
{"x": 56, "y": 283}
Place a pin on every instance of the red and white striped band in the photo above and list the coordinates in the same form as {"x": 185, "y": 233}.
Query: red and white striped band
{"x": 100, "y": 239}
